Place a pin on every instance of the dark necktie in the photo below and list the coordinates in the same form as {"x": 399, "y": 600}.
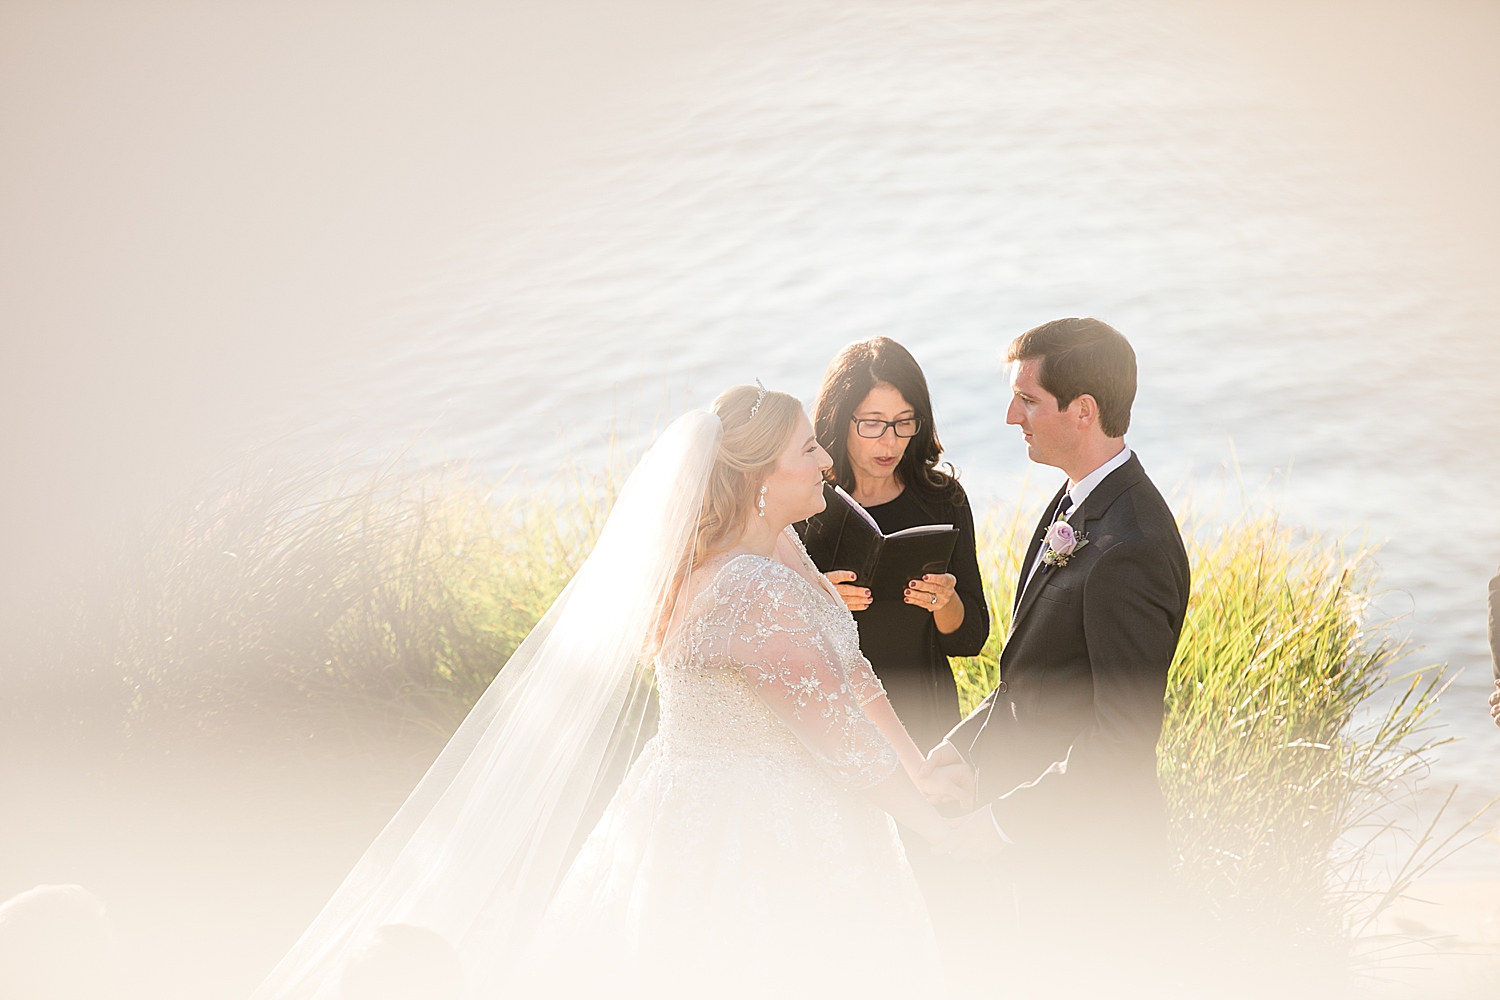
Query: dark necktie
{"x": 1063, "y": 506}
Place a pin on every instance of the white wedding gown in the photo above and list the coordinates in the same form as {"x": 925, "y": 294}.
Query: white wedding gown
{"x": 738, "y": 857}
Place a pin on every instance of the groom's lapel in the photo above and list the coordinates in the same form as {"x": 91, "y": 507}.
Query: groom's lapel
{"x": 1107, "y": 492}
{"x": 1092, "y": 508}
{"x": 1023, "y": 591}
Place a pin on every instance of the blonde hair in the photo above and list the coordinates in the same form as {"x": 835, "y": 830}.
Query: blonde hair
{"x": 747, "y": 455}
{"x": 748, "y": 452}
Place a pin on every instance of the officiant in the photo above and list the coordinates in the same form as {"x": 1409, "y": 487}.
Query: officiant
{"x": 873, "y": 415}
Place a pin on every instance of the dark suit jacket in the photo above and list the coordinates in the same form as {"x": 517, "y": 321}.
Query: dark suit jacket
{"x": 1065, "y": 746}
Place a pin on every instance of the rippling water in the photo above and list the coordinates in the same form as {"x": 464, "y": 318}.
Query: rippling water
{"x": 950, "y": 174}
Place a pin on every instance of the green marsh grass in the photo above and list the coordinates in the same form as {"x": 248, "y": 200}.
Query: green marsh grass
{"x": 315, "y": 601}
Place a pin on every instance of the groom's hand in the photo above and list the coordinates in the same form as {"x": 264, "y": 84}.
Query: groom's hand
{"x": 947, "y": 777}
{"x": 976, "y": 838}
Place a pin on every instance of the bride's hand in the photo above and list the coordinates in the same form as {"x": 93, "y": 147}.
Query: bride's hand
{"x": 946, "y": 777}
{"x": 855, "y": 598}
{"x": 1495, "y": 704}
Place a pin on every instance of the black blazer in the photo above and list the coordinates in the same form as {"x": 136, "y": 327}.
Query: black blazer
{"x": 1065, "y": 746}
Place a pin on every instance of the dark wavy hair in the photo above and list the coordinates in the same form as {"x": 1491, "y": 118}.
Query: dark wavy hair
{"x": 851, "y": 375}
{"x": 1083, "y": 355}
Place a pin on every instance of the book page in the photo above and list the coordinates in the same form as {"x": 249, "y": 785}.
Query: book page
{"x": 921, "y": 529}
{"x": 858, "y": 509}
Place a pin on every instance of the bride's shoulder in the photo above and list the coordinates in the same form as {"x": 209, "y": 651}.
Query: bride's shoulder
{"x": 747, "y": 574}
{"x": 748, "y": 587}
{"x": 750, "y": 566}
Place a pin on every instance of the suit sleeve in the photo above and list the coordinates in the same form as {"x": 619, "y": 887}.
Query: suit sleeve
{"x": 969, "y": 638}
{"x": 963, "y": 735}
{"x": 1133, "y": 605}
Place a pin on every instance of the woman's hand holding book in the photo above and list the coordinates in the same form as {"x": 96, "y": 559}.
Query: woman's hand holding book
{"x": 856, "y": 598}
{"x": 932, "y": 592}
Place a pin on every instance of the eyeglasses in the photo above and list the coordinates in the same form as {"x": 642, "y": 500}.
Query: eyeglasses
{"x": 904, "y": 428}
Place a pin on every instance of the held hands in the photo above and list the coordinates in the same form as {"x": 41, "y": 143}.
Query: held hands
{"x": 855, "y": 598}
{"x": 932, "y": 592}
{"x": 1495, "y": 704}
{"x": 946, "y": 776}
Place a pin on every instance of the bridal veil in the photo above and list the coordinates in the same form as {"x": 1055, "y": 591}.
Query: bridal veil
{"x": 477, "y": 849}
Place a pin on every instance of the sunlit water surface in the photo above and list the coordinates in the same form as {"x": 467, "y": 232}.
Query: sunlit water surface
{"x": 949, "y": 175}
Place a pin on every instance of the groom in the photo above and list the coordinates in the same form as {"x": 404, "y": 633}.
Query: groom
{"x": 1061, "y": 757}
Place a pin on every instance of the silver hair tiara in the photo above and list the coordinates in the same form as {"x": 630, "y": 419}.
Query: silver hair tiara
{"x": 758, "y": 400}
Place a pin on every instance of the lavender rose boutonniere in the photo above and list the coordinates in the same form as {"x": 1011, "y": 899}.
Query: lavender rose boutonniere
{"x": 1062, "y": 541}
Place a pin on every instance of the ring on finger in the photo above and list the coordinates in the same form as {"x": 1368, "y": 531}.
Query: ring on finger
{"x": 934, "y": 598}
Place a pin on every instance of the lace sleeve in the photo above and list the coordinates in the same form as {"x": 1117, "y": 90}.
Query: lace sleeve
{"x": 858, "y": 672}
{"x": 863, "y": 682}
{"x": 771, "y": 637}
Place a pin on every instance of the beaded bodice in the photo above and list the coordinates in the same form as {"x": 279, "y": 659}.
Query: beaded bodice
{"x": 765, "y": 666}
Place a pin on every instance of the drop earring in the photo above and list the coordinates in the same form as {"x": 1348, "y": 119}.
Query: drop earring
{"x": 762, "y": 503}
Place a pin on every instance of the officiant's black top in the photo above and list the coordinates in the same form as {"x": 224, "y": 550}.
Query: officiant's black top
{"x": 909, "y": 654}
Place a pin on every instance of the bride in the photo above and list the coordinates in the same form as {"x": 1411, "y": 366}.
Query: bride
{"x": 750, "y": 848}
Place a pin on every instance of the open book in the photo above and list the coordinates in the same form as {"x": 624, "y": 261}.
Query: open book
{"x": 845, "y": 536}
